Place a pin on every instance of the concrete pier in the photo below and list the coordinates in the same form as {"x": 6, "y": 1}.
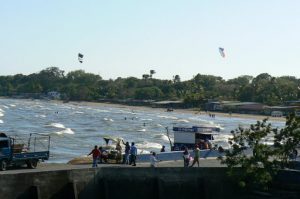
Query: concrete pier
{"x": 130, "y": 182}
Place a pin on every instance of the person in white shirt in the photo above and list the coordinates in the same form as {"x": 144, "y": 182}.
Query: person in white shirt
{"x": 153, "y": 160}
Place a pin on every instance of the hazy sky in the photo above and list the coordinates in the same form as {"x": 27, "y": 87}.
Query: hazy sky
{"x": 122, "y": 38}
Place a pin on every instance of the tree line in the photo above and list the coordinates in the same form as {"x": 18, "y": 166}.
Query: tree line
{"x": 80, "y": 85}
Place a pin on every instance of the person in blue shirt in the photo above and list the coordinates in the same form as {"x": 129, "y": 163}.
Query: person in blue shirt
{"x": 133, "y": 153}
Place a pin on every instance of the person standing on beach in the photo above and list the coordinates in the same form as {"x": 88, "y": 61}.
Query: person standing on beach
{"x": 119, "y": 152}
{"x": 186, "y": 157}
{"x": 196, "y": 156}
{"x": 133, "y": 154}
{"x": 96, "y": 154}
{"x": 153, "y": 160}
{"x": 127, "y": 152}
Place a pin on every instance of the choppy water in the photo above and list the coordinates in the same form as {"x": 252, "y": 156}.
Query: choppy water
{"x": 76, "y": 127}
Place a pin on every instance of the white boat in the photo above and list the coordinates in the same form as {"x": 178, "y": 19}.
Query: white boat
{"x": 189, "y": 137}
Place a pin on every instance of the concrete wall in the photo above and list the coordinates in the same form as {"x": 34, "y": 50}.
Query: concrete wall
{"x": 131, "y": 183}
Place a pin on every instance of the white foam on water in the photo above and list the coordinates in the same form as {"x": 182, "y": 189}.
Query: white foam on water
{"x": 102, "y": 111}
{"x": 142, "y": 130}
{"x": 142, "y": 151}
{"x": 199, "y": 119}
{"x": 1, "y": 114}
{"x": 183, "y": 120}
{"x": 1, "y": 122}
{"x": 12, "y": 105}
{"x": 5, "y": 106}
{"x": 108, "y": 119}
{"x": 1, "y": 110}
{"x": 147, "y": 119}
{"x": 79, "y": 112}
{"x": 167, "y": 117}
{"x": 161, "y": 137}
{"x": 41, "y": 116}
{"x": 66, "y": 131}
{"x": 57, "y": 125}
{"x": 148, "y": 145}
{"x": 222, "y": 137}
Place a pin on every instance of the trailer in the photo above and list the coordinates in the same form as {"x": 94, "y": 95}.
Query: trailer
{"x": 16, "y": 152}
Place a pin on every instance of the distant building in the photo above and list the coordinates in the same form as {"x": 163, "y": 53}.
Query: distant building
{"x": 285, "y": 110}
{"x": 236, "y": 107}
{"x": 276, "y": 113}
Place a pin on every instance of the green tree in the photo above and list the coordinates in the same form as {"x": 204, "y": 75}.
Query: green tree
{"x": 287, "y": 139}
{"x": 258, "y": 169}
{"x": 148, "y": 93}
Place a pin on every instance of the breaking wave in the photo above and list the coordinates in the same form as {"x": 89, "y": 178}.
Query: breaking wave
{"x": 66, "y": 131}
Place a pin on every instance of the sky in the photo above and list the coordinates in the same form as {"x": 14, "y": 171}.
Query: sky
{"x": 122, "y": 38}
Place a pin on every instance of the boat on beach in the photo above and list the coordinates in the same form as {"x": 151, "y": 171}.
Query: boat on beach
{"x": 189, "y": 137}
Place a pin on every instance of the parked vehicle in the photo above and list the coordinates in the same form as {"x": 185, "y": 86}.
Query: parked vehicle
{"x": 16, "y": 152}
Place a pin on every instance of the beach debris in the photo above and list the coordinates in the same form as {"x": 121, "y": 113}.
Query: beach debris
{"x": 221, "y": 51}
{"x": 80, "y": 57}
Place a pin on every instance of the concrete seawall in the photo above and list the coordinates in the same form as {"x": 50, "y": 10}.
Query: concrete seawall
{"x": 131, "y": 183}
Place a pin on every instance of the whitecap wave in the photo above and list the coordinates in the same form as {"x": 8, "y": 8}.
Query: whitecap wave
{"x": 142, "y": 151}
{"x": 42, "y": 116}
{"x": 1, "y": 114}
{"x": 222, "y": 137}
{"x": 142, "y": 130}
{"x": 79, "y": 112}
{"x": 183, "y": 120}
{"x": 12, "y": 105}
{"x": 1, "y": 122}
{"x": 102, "y": 111}
{"x": 148, "y": 145}
{"x": 108, "y": 119}
{"x": 167, "y": 117}
{"x": 57, "y": 125}
{"x": 66, "y": 131}
{"x": 147, "y": 119}
{"x": 161, "y": 137}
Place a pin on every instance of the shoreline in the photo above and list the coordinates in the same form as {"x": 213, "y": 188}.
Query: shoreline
{"x": 190, "y": 111}
{"x": 147, "y": 108}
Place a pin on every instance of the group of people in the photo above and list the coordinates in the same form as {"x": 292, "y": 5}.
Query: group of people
{"x": 130, "y": 154}
{"x": 100, "y": 155}
{"x": 129, "y": 157}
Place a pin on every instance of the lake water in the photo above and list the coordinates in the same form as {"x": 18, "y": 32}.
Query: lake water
{"x": 76, "y": 127}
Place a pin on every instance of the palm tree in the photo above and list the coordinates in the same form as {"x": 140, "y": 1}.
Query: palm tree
{"x": 152, "y": 72}
{"x": 176, "y": 78}
{"x": 145, "y": 76}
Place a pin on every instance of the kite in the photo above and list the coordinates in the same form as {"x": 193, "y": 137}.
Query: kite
{"x": 221, "y": 50}
{"x": 80, "y": 57}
